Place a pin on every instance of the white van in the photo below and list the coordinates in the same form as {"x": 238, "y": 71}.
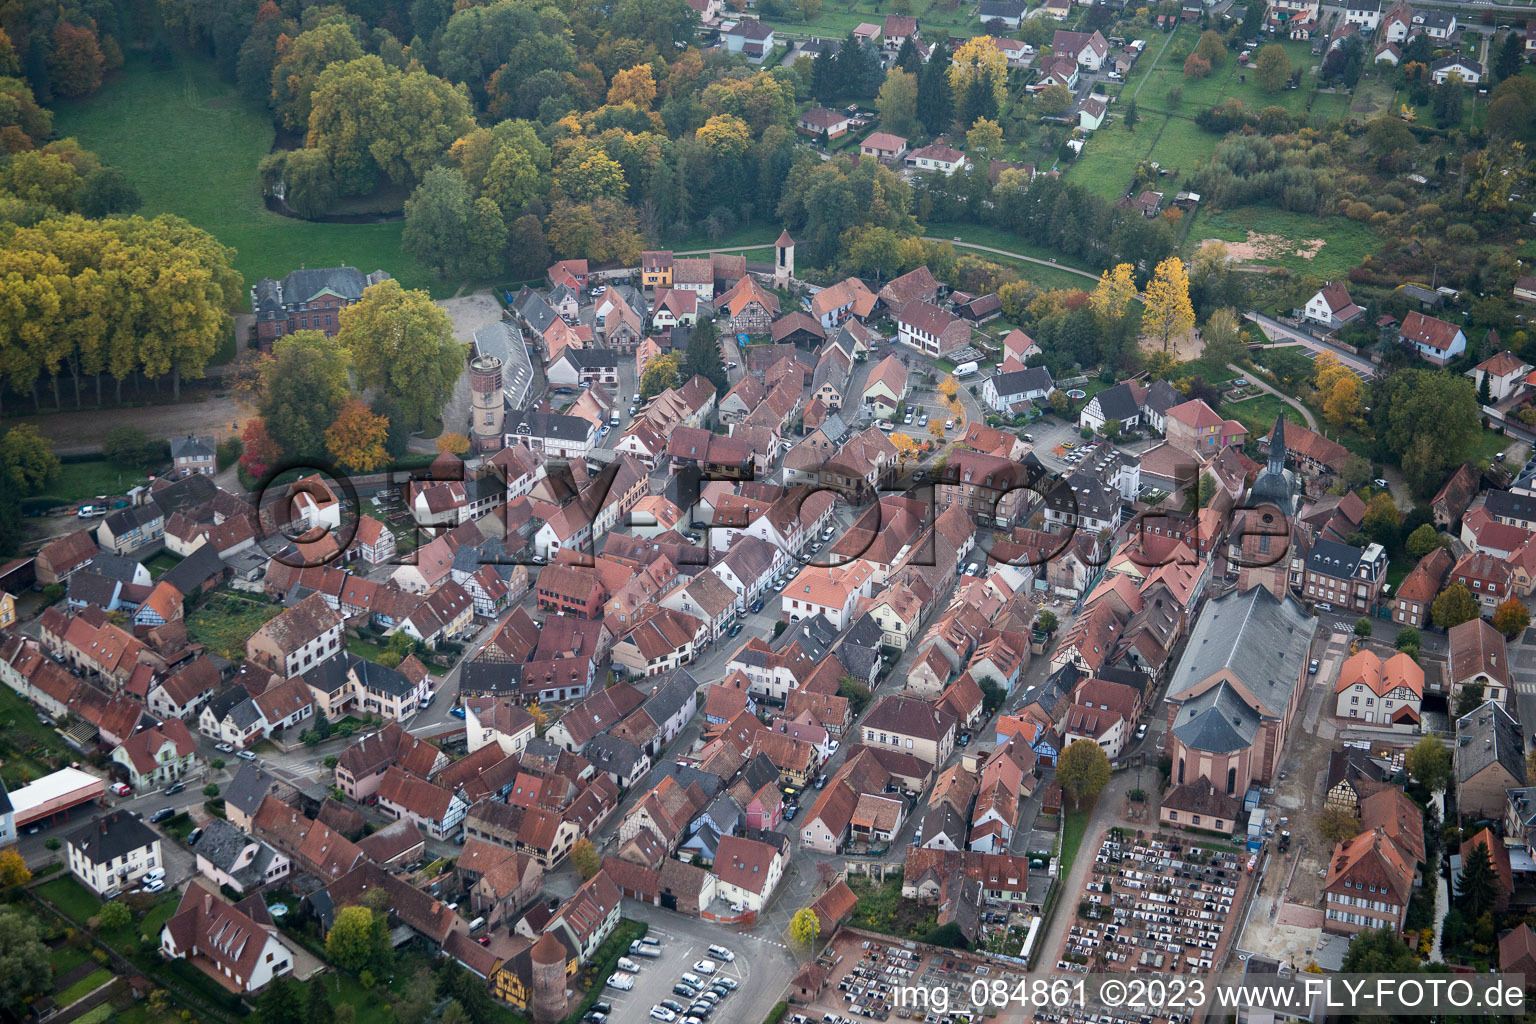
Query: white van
{"x": 967, "y": 368}
{"x": 476, "y": 925}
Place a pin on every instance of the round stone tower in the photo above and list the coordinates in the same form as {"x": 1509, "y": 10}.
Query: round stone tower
{"x": 548, "y": 958}
{"x": 487, "y": 406}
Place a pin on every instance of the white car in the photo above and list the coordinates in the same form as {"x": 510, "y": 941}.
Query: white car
{"x": 224, "y": 748}
{"x": 706, "y": 967}
{"x": 246, "y": 755}
{"x": 721, "y": 953}
{"x": 694, "y": 980}
{"x": 626, "y": 964}
{"x": 154, "y": 886}
{"x": 622, "y": 982}
{"x": 155, "y": 875}
{"x": 729, "y": 983}
{"x": 661, "y": 1013}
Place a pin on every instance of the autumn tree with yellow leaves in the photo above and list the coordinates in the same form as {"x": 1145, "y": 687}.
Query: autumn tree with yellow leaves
{"x": 1114, "y": 293}
{"x": 356, "y": 438}
{"x": 979, "y": 56}
{"x": 1169, "y": 313}
{"x": 635, "y": 86}
{"x": 1339, "y": 391}
{"x": 907, "y": 449}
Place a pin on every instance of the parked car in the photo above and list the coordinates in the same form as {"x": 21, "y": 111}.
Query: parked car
{"x": 663, "y": 1014}
{"x": 120, "y": 789}
{"x": 686, "y": 991}
{"x": 224, "y": 748}
{"x": 626, "y": 964}
{"x": 673, "y": 1005}
{"x": 721, "y": 953}
{"x": 756, "y": 606}
{"x": 729, "y": 983}
{"x": 91, "y": 512}
{"x": 155, "y": 875}
{"x": 246, "y": 755}
{"x": 457, "y": 712}
{"x": 161, "y": 815}
{"x": 641, "y": 949}
{"x": 1312, "y": 667}
{"x": 621, "y": 981}
{"x": 154, "y": 886}
{"x": 735, "y": 629}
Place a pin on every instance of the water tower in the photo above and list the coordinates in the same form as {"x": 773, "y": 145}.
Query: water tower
{"x": 486, "y": 402}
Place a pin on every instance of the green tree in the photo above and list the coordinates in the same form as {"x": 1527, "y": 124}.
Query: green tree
{"x": 1453, "y": 606}
{"x": 1478, "y": 887}
{"x": 437, "y": 221}
{"x": 702, "y": 357}
{"x": 1408, "y": 639}
{"x": 371, "y": 119}
{"x": 1429, "y": 763}
{"x": 1511, "y": 617}
{"x": 1382, "y": 519}
{"x": 1131, "y": 116}
{"x": 897, "y": 101}
{"x": 27, "y": 458}
{"x": 1082, "y": 769}
{"x": 1053, "y": 100}
{"x": 1363, "y": 627}
{"x": 358, "y": 940}
{"x": 1223, "y": 338}
{"x": 661, "y": 373}
{"x": 113, "y": 916}
{"x": 296, "y": 71}
{"x": 935, "y": 102}
{"x": 1337, "y": 824}
{"x": 24, "y": 966}
{"x": 585, "y": 859}
{"x": 1511, "y": 56}
{"x": 485, "y": 248}
{"x": 1379, "y": 950}
{"x": 318, "y": 1009}
{"x": 302, "y": 387}
{"x": 1469, "y": 697}
{"x": 131, "y": 447}
{"x": 805, "y": 928}
{"x": 855, "y": 690}
{"x": 1424, "y": 539}
{"x": 1429, "y": 420}
{"x": 280, "y": 1003}
{"x": 1272, "y": 68}
{"x": 402, "y": 343}
{"x": 1211, "y": 49}
{"x": 1047, "y": 622}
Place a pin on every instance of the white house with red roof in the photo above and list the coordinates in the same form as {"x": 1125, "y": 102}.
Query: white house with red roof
{"x": 1331, "y": 306}
{"x": 1433, "y": 339}
{"x": 1505, "y": 372}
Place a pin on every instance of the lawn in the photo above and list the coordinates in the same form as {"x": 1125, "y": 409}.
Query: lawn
{"x": 67, "y": 958}
{"x": 976, "y": 234}
{"x": 33, "y": 748}
{"x": 1345, "y": 246}
{"x": 1109, "y": 159}
{"x": 80, "y": 481}
{"x": 74, "y": 899}
{"x": 209, "y": 175}
{"x": 1258, "y": 414}
{"x": 1181, "y": 148}
{"x": 1072, "y": 835}
{"x": 162, "y": 563}
{"x": 86, "y": 985}
{"x": 223, "y": 623}
{"x": 841, "y": 17}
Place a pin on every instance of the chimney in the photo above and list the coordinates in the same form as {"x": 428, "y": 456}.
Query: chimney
{"x": 207, "y": 902}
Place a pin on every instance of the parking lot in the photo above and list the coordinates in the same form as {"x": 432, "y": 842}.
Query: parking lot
{"x": 657, "y": 976}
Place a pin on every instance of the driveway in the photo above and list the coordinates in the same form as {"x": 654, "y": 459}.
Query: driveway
{"x": 1306, "y": 414}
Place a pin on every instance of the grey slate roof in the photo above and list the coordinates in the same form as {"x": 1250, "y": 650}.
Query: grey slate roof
{"x": 1486, "y": 736}
{"x": 1331, "y": 558}
{"x": 303, "y": 285}
{"x": 815, "y": 635}
{"x": 379, "y": 677}
{"x": 221, "y": 845}
{"x": 990, "y": 9}
{"x": 537, "y": 313}
{"x": 1218, "y": 721}
{"x": 187, "y": 447}
{"x": 1508, "y": 505}
{"x": 943, "y": 818}
{"x": 591, "y": 358}
{"x": 1117, "y": 403}
{"x": 249, "y": 788}
{"x": 1020, "y": 382}
{"x": 670, "y": 696}
{"x": 196, "y": 569}
{"x": 221, "y": 703}
{"x": 549, "y": 424}
{"x": 1262, "y": 640}
{"x": 133, "y": 517}
{"x": 116, "y": 835}
{"x": 614, "y": 754}
{"x": 1161, "y": 397}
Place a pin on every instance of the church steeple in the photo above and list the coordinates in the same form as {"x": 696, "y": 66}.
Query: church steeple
{"x": 1277, "y": 446}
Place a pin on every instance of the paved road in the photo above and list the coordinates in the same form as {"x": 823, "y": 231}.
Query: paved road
{"x": 1275, "y": 329}
{"x": 1306, "y": 414}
